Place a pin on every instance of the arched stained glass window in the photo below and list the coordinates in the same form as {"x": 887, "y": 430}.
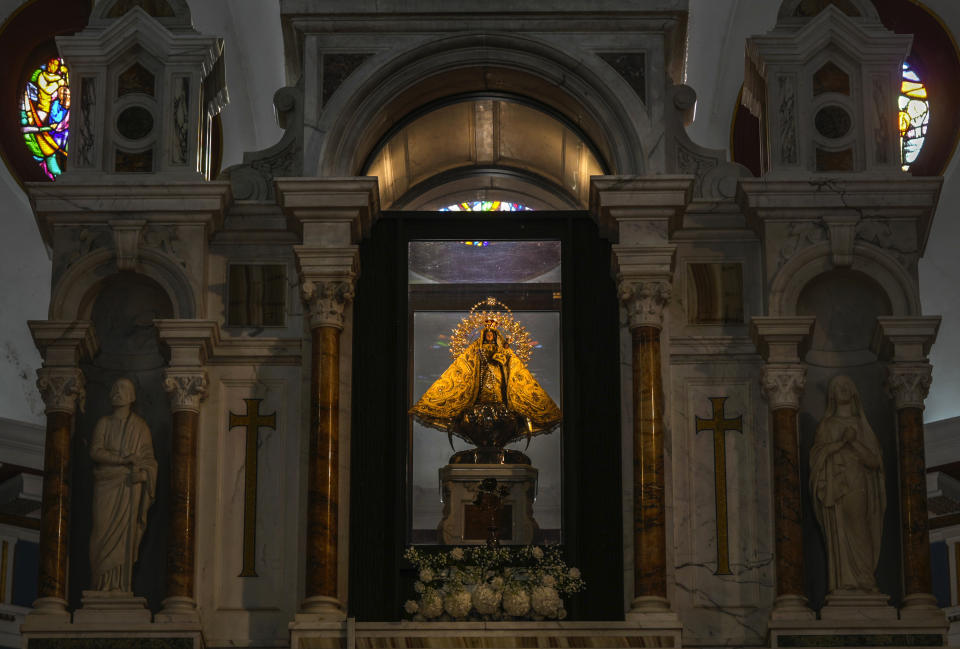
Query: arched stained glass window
{"x": 45, "y": 116}
{"x": 914, "y": 116}
{"x": 486, "y": 206}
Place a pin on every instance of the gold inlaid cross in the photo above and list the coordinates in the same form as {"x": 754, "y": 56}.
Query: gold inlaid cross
{"x": 720, "y": 425}
{"x": 253, "y": 421}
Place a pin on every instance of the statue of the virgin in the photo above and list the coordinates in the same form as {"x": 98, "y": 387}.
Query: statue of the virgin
{"x": 846, "y": 480}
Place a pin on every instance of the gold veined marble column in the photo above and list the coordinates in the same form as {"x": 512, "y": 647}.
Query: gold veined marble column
{"x": 62, "y": 391}
{"x": 645, "y": 301}
{"x": 61, "y": 383}
{"x": 327, "y": 301}
{"x": 783, "y": 385}
{"x": 185, "y": 380}
{"x": 186, "y": 389}
{"x": 908, "y": 384}
{"x": 782, "y": 382}
{"x": 904, "y": 342}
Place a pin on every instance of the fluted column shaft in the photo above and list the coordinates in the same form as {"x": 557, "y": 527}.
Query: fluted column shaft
{"x": 645, "y": 301}
{"x": 327, "y": 301}
{"x": 186, "y": 390}
{"x": 62, "y": 391}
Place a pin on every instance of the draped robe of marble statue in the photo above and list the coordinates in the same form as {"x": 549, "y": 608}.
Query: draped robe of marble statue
{"x": 124, "y": 488}
{"x": 846, "y": 480}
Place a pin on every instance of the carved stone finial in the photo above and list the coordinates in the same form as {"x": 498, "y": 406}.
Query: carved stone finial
{"x": 327, "y": 301}
{"x": 186, "y": 389}
{"x": 645, "y": 301}
{"x": 62, "y": 389}
{"x": 782, "y": 385}
{"x": 909, "y": 383}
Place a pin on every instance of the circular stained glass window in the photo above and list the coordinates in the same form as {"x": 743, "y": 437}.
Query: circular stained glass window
{"x": 914, "y": 116}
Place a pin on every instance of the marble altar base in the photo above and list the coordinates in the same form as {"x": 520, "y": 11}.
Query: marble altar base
{"x": 479, "y": 635}
{"x": 109, "y": 621}
{"x": 459, "y": 484}
{"x": 859, "y": 621}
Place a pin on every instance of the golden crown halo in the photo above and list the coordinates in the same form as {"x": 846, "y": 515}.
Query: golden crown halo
{"x": 502, "y": 320}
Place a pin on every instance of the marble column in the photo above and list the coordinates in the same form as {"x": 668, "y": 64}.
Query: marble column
{"x": 187, "y": 388}
{"x": 904, "y": 342}
{"x": 61, "y": 384}
{"x": 645, "y": 301}
{"x": 191, "y": 343}
{"x": 908, "y": 384}
{"x": 782, "y": 383}
{"x": 62, "y": 390}
{"x": 327, "y": 301}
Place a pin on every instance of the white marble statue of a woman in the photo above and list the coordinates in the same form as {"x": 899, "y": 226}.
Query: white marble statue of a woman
{"x": 846, "y": 480}
{"x": 124, "y": 487}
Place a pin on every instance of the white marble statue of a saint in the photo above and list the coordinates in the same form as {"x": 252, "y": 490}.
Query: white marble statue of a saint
{"x": 846, "y": 480}
{"x": 124, "y": 488}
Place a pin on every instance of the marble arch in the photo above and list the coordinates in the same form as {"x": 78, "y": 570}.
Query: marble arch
{"x": 807, "y": 265}
{"x": 378, "y": 95}
{"x": 76, "y": 291}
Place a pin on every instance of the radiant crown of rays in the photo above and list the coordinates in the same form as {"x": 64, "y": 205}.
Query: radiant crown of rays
{"x": 495, "y": 315}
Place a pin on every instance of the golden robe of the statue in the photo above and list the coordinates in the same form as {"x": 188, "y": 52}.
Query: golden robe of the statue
{"x": 486, "y": 387}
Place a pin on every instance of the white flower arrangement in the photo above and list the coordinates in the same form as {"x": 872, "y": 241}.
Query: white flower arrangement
{"x": 491, "y": 583}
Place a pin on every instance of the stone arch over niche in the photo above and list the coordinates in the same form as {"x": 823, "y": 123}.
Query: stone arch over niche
{"x": 75, "y": 292}
{"x": 846, "y": 302}
{"x": 791, "y": 278}
{"x": 376, "y": 97}
{"x": 123, "y": 313}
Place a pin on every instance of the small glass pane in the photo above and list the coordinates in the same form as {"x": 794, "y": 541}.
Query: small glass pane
{"x": 446, "y": 279}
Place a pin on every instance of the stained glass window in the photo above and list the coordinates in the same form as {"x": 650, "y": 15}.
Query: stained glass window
{"x": 45, "y": 116}
{"x": 486, "y": 206}
{"x": 914, "y": 116}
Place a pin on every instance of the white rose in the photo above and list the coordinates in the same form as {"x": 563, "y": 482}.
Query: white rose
{"x": 458, "y": 604}
{"x": 516, "y": 602}
{"x": 486, "y": 600}
{"x": 545, "y": 601}
{"x": 419, "y": 587}
{"x": 548, "y": 580}
{"x": 497, "y": 583}
{"x": 574, "y": 573}
{"x": 431, "y": 605}
{"x": 411, "y": 607}
{"x": 537, "y": 553}
{"x": 426, "y": 575}
{"x": 456, "y": 554}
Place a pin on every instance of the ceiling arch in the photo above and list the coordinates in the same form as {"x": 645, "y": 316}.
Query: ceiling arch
{"x": 465, "y": 142}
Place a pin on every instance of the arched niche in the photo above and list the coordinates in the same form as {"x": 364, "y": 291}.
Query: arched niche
{"x": 846, "y": 303}
{"x": 75, "y": 292}
{"x": 791, "y": 278}
{"x": 378, "y": 96}
{"x": 123, "y": 313}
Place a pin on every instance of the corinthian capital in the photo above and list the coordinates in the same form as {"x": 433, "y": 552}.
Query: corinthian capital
{"x": 327, "y": 300}
{"x": 909, "y": 383}
{"x": 645, "y": 301}
{"x": 782, "y": 385}
{"x": 186, "y": 389}
{"x": 62, "y": 389}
